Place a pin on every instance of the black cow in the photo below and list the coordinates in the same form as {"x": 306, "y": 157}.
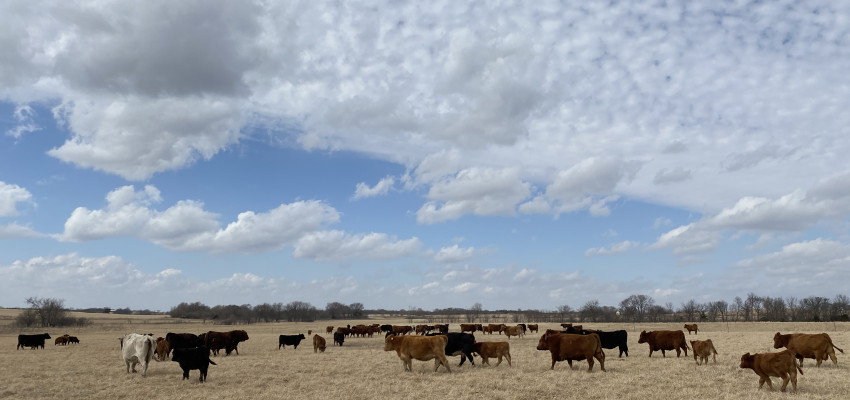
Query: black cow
{"x": 182, "y": 340}
{"x": 609, "y": 340}
{"x": 73, "y": 339}
{"x": 291, "y": 340}
{"x": 459, "y": 343}
{"x": 386, "y": 328}
{"x": 32, "y": 341}
{"x": 193, "y": 358}
{"x": 339, "y": 337}
{"x": 524, "y": 328}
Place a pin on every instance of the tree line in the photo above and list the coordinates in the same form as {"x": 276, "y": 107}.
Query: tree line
{"x": 48, "y": 312}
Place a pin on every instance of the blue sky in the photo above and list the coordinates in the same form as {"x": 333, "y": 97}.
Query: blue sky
{"x": 518, "y": 156}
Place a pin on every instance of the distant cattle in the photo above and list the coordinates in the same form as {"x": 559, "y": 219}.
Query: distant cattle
{"x": 513, "y": 331}
{"x": 137, "y": 349}
{"x": 664, "y": 340}
{"x": 487, "y": 350}
{"x": 402, "y": 329}
{"x": 229, "y": 341}
{"x": 309, "y": 332}
{"x": 386, "y": 328}
{"x": 566, "y": 325}
{"x": 442, "y": 328}
{"x": 182, "y": 340}
{"x": 289, "y": 340}
{"x": 459, "y": 344}
{"x": 703, "y": 349}
{"x": 533, "y": 328}
{"x": 193, "y": 358}
{"x": 343, "y": 330}
{"x": 468, "y": 327}
{"x": 496, "y": 327}
{"x": 339, "y": 338}
{"x": 162, "y": 349}
{"x": 32, "y": 341}
{"x": 63, "y": 340}
{"x": 73, "y": 340}
{"x": 422, "y": 348}
{"x": 564, "y": 347}
{"x": 818, "y": 346}
{"x": 766, "y": 365}
{"x": 487, "y": 330}
{"x": 420, "y": 329}
{"x": 318, "y": 343}
{"x": 692, "y": 328}
{"x": 613, "y": 339}
{"x": 329, "y": 329}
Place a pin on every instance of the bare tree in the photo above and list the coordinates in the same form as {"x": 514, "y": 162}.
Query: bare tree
{"x": 564, "y": 312}
{"x": 840, "y": 308}
{"x": 791, "y": 306}
{"x": 50, "y": 312}
{"x": 474, "y": 313}
{"x": 636, "y": 306}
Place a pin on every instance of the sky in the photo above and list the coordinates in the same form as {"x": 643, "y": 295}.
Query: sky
{"x": 520, "y": 155}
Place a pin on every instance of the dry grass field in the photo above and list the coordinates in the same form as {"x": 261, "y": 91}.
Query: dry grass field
{"x": 361, "y": 369}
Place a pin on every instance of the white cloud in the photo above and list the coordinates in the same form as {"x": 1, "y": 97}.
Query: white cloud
{"x": 478, "y": 191}
{"x": 381, "y": 188}
{"x": 615, "y": 248}
{"x": 688, "y": 240}
{"x": 454, "y": 254}
{"x": 337, "y": 245}
{"x": 10, "y": 196}
{"x": 23, "y": 115}
{"x": 804, "y": 267}
{"x": 16, "y": 231}
{"x": 575, "y": 188}
{"x": 665, "y": 176}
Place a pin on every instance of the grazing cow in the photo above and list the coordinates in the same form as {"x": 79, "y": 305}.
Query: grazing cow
{"x": 339, "y": 338}
{"x": 533, "y": 328}
{"x": 318, "y": 343}
{"x": 181, "y": 340}
{"x": 193, "y": 358}
{"x": 766, "y": 365}
{"x": 487, "y": 330}
{"x": 32, "y": 341}
{"x": 468, "y": 327}
{"x": 386, "y": 328}
{"x": 344, "y": 330}
{"x": 228, "y": 341}
{"x": 137, "y": 349}
{"x": 329, "y": 329}
{"x": 496, "y": 328}
{"x": 442, "y": 328}
{"x": 513, "y": 331}
{"x": 567, "y": 348}
{"x": 487, "y": 350}
{"x": 664, "y": 340}
{"x": 420, "y": 329}
{"x": 162, "y": 349}
{"x": 459, "y": 344}
{"x": 63, "y": 340}
{"x": 692, "y": 328}
{"x": 703, "y": 349}
{"x": 291, "y": 340}
{"x": 73, "y": 340}
{"x": 422, "y": 348}
{"x": 818, "y": 346}
{"x": 402, "y": 329}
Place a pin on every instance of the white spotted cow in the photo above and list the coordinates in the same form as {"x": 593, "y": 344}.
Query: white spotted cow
{"x": 138, "y": 349}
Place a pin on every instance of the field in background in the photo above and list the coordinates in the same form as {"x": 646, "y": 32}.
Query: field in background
{"x": 361, "y": 369}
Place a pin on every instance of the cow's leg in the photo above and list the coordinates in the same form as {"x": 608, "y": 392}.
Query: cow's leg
{"x": 144, "y": 369}
{"x": 570, "y": 363}
{"x": 508, "y": 356}
{"x": 445, "y": 363}
{"x": 663, "y": 353}
{"x": 128, "y": 366}
{"x": 589, "y": 363}
{"x": 553, "y": 361}
{"x": 831, "y": 352}
{"x": 785, "y": 380}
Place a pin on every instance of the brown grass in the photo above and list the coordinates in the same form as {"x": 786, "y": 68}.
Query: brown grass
{"x": 361, "y": 369}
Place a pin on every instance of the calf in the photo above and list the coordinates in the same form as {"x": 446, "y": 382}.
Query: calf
{"x": 421, "y": 348}
{"x": 664, "y": 340}
{"x": 193, "y": 358}
{"x": 137, "y": 349}
{"x": 318, "y": 343}
{"x": 339, "y": 338}
{"x": 818, "y": 346}
{"x": 564, "y": 347}
{"x": 32, "y": 341}
{"x": 487, "y": 350}
{"x": 291, "y": 340}
{"x": 162, "y": 349}
{"x": 692, "y": 328}
{"x": 702, "y": 349}
{"x": 766, "y": 365}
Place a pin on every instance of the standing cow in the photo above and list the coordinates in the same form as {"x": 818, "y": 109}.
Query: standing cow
{"x": 228, "y": 341}
{"x": 567, "y": 347}
{"x": 422, "y": 348}
{"x": 191, "y": 358}
{"x": 289, "y": 340}
{"x": 692, "y": 328}
{"x": 766, "y": 365}
{"x": 818, "y": 346}
{"x": 703, "y": 349}
{"x": 318, "y": 343}
{"x": 32, "y": 341}
{"x": 664, "y": 340}
{"x": 137, "y": 349}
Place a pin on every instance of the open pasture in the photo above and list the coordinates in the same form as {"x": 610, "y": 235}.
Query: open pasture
{"x": 361, "y": 369}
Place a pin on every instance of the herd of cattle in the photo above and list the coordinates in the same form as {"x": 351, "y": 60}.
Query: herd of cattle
{"x": 435, "y": 342}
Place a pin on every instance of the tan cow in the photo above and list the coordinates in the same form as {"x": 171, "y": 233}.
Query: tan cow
{"x": 664, "y": 340}
{"x": 422, "y": 348}
{"x": 703, "y": 349}
{"x": 533, "y": 328}
{"x": 162, "y": 349}
{"x": 564, "y": 347}
{"x": 487, "y": 350}
{"x": 470, "y": 327}
{"x": 513, "y": 331}
{"x": 818, "y": 346}
{"x": 318, "y": 343}
{"x": 766, "y": 365}
{"x": 692, "y": 328}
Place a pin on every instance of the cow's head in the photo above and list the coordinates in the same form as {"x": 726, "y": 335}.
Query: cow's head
{"x": 644, "y": 336}
{"x": 778, "y": 341}
{"x": 241, "y": 336}
{"x": 390, "y": 342}
{"x": 301, "y": 336}
{"x": 543, "y": 344}
{"x": 747, "y": 360}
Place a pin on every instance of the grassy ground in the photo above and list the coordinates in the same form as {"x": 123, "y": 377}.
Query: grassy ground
{"x": 361, "y": 369}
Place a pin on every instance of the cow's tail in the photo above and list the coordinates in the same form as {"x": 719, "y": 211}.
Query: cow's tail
{"x": 712, "y": 346}
{"x": 148, "y": 349}
{"x": 800, "y": 370}
{"x": 833, "y": 345}
{"x": 213, "y": 362}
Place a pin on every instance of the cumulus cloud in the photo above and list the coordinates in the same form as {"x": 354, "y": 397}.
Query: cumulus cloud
{"x": 615, "y": 248}
{"x": 454, "y": 254}
{"x": 337, "y": 245}
{"x": 381, "y": 188}
{"x": 16, "y": 231}
{"x": 803, "y": 267}
{"x": 688, "y": 240}
{"x": 10, "y": 196}
{"x": 575, "y": 188}
{"x": 665, "y": 176}
{"x": 23, "y": 114}
{"x": 479, "y": 191}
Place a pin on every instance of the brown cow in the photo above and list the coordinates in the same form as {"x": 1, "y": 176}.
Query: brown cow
{"x": 228, "y": 341}
{"x": 318, "y": 343}
{"x": 422, "y": 348}
{"x": 468, "y": 328}
{"x": 420, "y": 329}
{"x": 63, "y": 340}
{"x": 496, "y": 328}
{"x": 692, "y": 328}
{"x": 402, "y": 329}
{"x": 766, "y": 365}
{"x": 309, "y": 332}
{"x": 162, "y": 349}
{"x": 513, "y": 331}
{"x": 329, "y": 329}
{"x": 564, "y": 347}
{"x": 703, "y": 349}
{"x": 486, "y": 350}
{"x": 664, "y": 340}
{"x": 565, "y": 325}
{"x": 532, "y": 328}
{"x": 818, "y": 346}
